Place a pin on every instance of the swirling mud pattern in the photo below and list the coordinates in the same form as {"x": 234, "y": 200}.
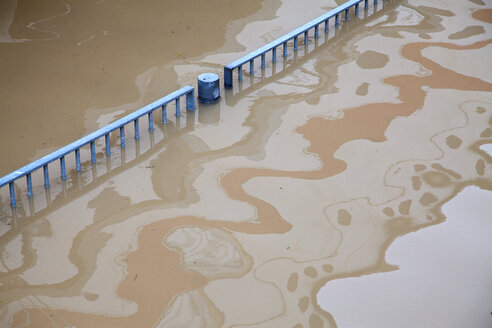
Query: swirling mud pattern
{"x": 358, "y": 145}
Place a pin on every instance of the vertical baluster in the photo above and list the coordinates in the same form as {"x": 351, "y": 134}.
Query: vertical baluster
{"x": 151, "y": 121}
{"x": 122, "y": 136}
{"x": 306, "y": 37}
{"x": 356, "y": 9}
{"x": 178, "y": 107}
{"x": 29, "y": 185}
{"x": 274, "y": 55}
{"x": 263, "y": 61}
{"x": 190, "y": 100}
{"x": 295, "y": 43}
{"x": 285, "y": 49}
{"x": 375, "y": 2}
{"x": 252, "y": 67}
{"x": 337, "y": 19}
{"x": 366, "y": 4}
{"x": 46, "y": 176}
{"x": 12, "y": 194}
{"x": 227, "y": 77}
{"x": 316, "y": 31}
{"x": 108, "y": 144}
{"x": 347, "y": 14}
{"x": 240, "y": 73}
{"x": 136, "y": 129}
{"x": 93, "y": 152}
{"x": 62, "y": 168}
{"x": 326, "y": 26}
{"x": 164, "y": 114}
{"x": 77, "y": 159}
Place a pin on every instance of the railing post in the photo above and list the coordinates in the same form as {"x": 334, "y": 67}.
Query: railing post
{"x": 285, "y": 49}
{"x": 316, "y": 31}
{"x": 366, "y": 4}
{"x": 93, "y": 152}
{"x": 122, "y": 136}
{"x": 77, "y": 159}
{"x": 12, "y": 194}
{"x": 62, "y": 168}
{"x": 337, "y": 19}
{"x": 240, "y": 73}
{"x": 252, "y": 67}
{"x": 178, "y": 107}
{"x": 356, "y": 10}
{"x": 375, "y": 2}
{"x": 306, "y": 37}
{"x": 46, "y": 176}
{"x": 347, "y": 14}
{"x": 164, "y": 114}
{"x": 151, "y": 121}
{"x": 190, "y": 100}
{"x": 136, "y": 129}
{"x": 263, "y": 61}
{"x": 227, "y": 77}
{"x": 327, "y": 25}
{"x": 108, "y": 145}
{"x": 29, "y": 185}
{"x": 274, "y": 55}
{"x": 295, "y": 43}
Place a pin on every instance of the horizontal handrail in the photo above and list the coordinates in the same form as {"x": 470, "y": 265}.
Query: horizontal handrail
{"x": 75, "y": 146}
{"x": 272, "y": 46}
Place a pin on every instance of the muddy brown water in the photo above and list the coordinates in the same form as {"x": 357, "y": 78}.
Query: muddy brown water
{"x": 239, "y": 219}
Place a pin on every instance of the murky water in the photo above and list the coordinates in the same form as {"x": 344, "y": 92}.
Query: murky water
{"x": 237, "y": 215}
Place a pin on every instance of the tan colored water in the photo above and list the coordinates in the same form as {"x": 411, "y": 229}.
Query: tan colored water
{"x": 240, "y": 218}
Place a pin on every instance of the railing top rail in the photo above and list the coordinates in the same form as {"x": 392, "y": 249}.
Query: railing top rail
{"x": 290, "y": 35}
{"x": 93, "y": 136}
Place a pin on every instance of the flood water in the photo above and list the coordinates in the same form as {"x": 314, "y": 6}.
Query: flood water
{"x": 236, "y": 215}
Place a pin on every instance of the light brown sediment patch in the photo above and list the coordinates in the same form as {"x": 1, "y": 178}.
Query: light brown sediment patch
{"x": 419, "y": 167}
{"x": 427, "y": 199}
{"x": 292, "y": 282}
{"x": 416, "y": 183}
{"x": 483, "y": 15}
{"x": 344, "y": 217}
{"x": 388, "y": 211}
{"x": 441, "y": 168}
{"x": 480, "y": 167}
{"x": 315, "y": 321}
{"x": 487, "y": 133}
{"x": 298, "y": 325}
{"x": 467, "y": 32}
{"x": 328, "y": 268}
{"x": 311, "y": 272}
{"x": 480, "y": 110}
{"x": 362, "y": 89}
{"x": 453, "y": 142}
{"x": 371, "y": 59}
{"x": 303, "y": 303}
{"x": 404, "y": 207}
{"x": 478, "y": 2}
{"x": 436, "y": 179}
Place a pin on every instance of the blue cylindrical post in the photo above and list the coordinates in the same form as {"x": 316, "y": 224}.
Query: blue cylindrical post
{"x": 178, "y": 107}
{"x": 12, "y": 194}
{"x": 263, "y": 61}
{"x": 356, "y": 10}
{"x": 240, "y": 73}
{"x": 316, "y": 31}
{"x": 190, "y": 100}
{"x": 151, "y": 121}
{"x": 337, "y": 19}
{"x": 347, "y": 14}
{"x": 295, "y": 43}
{"x": 366, "y": 4}
{"x": 209, "y": 87}
{"x": 306, "y": 37}
{"x": 274, "y": 55}
{"x": 285, "y": 49}
{"x": 251, "y": 70}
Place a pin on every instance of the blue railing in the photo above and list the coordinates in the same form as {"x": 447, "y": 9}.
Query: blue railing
{"x": 304, "y": 29}
{"x": 93, "y": 137}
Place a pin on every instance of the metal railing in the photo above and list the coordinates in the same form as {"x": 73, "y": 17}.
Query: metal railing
{"x": 61, "y": 153}
{"x": 294, "y": 35}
